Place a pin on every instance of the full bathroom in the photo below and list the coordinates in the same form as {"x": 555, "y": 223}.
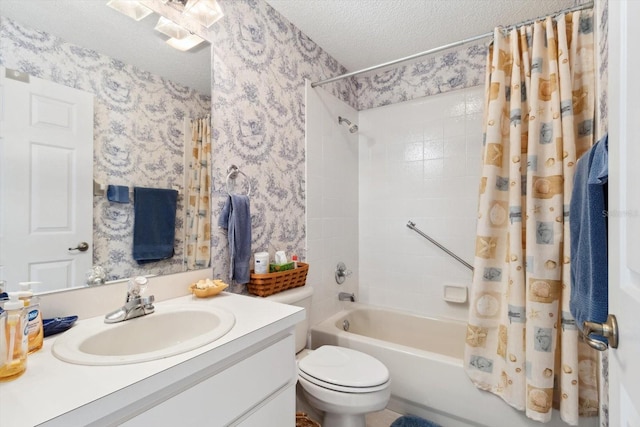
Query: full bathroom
{"x": 374, "y": 181}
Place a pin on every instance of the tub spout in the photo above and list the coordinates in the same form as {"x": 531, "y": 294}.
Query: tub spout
{"x": 344, "y": 296}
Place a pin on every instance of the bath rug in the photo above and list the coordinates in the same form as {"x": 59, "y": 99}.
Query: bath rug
{"x": 413, "y": 421}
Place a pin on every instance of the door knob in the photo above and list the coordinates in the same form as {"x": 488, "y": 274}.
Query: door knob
{"x": 609, "y": 330}
{"x": 82, "y": 247}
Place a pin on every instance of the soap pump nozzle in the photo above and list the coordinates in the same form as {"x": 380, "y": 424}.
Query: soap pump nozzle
{"x": 26, "y": 293}
{"x": 26, "y": 286}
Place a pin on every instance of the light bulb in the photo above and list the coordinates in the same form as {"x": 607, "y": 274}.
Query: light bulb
{"x": 131, "y": 8}
{"x": 185, "y": 43}
{"x": 171, "y": 29}
{"x": 206, "y": 12}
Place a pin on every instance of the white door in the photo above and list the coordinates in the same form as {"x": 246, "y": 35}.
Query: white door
{"x": 46, "y": 182}
{"x": 624, "y": 211}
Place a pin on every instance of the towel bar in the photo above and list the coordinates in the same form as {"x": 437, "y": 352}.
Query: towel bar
{"x": 100, "y": 189}
{"x": 233, "y": 172}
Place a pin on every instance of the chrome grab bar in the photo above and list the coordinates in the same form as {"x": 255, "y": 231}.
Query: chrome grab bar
{"x": 412, "y": 225}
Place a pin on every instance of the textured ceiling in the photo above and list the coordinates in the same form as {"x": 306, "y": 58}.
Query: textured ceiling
{"x": 363, "y": 33}
{"x": 358, "y": 33}
{"x": 90, "y": 23}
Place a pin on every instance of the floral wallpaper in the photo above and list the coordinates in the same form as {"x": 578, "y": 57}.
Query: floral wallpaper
{"x": 260, "y": 63}
{"x": 434, "y": 74}
{"x": 138, "y": 133}
{"x": 602, "y": 9}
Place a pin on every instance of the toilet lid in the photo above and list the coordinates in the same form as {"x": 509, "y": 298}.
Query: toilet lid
{"x": 344, "y": 367}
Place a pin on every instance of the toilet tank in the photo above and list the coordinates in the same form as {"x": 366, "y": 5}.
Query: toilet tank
{"x": 300, "y": 297}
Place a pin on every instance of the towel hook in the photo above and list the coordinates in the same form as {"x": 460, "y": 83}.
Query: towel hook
{"x": 232, "y": 173}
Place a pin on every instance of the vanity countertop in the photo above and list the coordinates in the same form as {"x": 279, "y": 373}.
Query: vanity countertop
{"x": 50, "y": 387}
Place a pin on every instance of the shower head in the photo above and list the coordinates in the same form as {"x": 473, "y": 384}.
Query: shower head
{"x": 352, "y": 128}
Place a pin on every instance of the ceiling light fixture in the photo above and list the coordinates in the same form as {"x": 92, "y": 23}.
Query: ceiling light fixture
{"x": 185, "y": 22}
{"x": 206, "y": 12}
{"x": 171, "y": 29}
{"x": 185, "y": 43}
{"x": 131, "y": 8}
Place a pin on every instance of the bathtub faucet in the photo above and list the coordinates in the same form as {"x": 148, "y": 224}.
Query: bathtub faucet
{"x": 342, "y": 273}
{"x": 344, "y": 296}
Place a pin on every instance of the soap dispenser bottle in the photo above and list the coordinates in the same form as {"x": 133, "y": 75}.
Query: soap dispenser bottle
{"x": 34, "y": 316}
{"x": 15, "y": 339}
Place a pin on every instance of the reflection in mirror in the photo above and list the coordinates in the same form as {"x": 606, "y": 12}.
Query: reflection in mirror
{"x": 142, "y": 117}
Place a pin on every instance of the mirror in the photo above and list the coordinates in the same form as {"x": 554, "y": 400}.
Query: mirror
{"x": 144, "y": 95}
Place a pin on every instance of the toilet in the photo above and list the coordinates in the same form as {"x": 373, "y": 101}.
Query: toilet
{"x": 343, "y": 383}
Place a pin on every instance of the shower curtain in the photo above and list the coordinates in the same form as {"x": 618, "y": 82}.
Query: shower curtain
{"x": 522, "y": 343}
{"x": 198, "y": 227}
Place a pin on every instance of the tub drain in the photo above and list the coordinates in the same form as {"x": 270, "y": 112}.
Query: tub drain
{"x": 345, "y": 325}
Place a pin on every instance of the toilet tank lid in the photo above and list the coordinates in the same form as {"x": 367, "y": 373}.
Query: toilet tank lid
{"x": 291, "y": 296}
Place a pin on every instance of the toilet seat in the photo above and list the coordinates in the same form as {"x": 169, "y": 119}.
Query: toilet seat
{"x": 343, "y": 369}
{"x": 339, "y": 388}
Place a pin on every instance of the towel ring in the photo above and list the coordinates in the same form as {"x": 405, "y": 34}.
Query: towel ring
{"x": 233, "y": 172}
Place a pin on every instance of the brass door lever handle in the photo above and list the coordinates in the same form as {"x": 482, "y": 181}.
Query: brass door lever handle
{"x": 82, "y": 247}
{"x": 609, "y": 330}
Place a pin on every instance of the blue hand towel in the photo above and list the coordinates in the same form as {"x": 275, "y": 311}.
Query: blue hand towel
{"x": 118, "y": 193}
{"x": 589, "y": 278}
{"x": 235, "y": 217}
{"x": 154, "y": 224}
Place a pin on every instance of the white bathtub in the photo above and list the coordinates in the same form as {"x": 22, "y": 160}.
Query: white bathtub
{"x": 424, "y": 356}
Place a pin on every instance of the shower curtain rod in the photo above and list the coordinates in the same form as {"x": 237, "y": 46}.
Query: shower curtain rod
{"x": 441, "y": 48}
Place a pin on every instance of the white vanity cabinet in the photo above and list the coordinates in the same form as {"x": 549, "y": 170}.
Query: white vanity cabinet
{"x": 245, "y": 378}
{"x": 252, "y": 391}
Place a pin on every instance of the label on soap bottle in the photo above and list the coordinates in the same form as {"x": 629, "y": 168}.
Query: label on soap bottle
{"x": 34, "y": 329}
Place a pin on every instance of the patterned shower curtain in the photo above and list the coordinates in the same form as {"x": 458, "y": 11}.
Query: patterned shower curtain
{"x": 522, "y": 343}
{"x": 198, "y": 227}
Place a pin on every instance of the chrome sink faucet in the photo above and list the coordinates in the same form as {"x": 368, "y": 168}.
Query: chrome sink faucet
{"x": 135, "y": 305}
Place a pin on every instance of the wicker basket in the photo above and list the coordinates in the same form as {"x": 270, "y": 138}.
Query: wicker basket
{"x": 303, "y": 420}
{"x": 271, "y": 283}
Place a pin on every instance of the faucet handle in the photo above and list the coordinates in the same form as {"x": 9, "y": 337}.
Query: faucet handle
{"x": 136, "y": 287}
{"x": 147, "y": 304}
{"x": 342, "y": 273}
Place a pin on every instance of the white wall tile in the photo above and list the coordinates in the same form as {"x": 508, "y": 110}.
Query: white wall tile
{"x": 332, "y": 198}
{"x": 434, "y": 168}
{"x": 399, "y": 268}
{"x": 434, "y": 148}
{"x": 453, "y": 126}
{"x": 419, "y": 161}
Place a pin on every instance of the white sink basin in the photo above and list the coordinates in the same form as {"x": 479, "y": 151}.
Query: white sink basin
{"x": 169, "y": 331}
